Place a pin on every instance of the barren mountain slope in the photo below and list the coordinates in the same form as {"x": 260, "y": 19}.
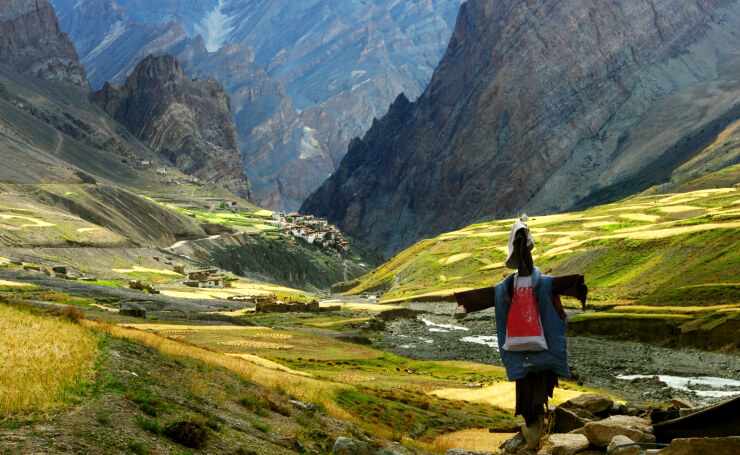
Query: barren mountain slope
{"x": 541, "y": 106}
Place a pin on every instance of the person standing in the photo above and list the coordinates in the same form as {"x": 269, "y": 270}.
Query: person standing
{"x": 530, "y": 324}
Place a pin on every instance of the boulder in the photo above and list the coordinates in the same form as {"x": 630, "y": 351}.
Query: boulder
{"x": 132, "y": 309}
{"x": 693, "y": 446}
{"x": 600, "y": 433}
{"x": 621, "y": 440}
{"x": 310, "y": 407}
{"x": 60, "y": 269}
{"x": 513, "y": 444}
{"x": 347, "y": 446}
{"x": 35, "y": 268}
{"x": 565, "y": 444}
{"x": 592, "y": 402}
{"x": 47, "y": 271}
{"x": 567, "y": 420}
{"x": 680, "y": 403}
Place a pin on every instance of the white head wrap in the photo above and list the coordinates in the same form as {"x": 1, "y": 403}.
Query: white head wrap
{"x": 512, "y": 261}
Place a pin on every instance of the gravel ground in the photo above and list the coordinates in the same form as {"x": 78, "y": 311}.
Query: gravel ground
{"x": 435, "y": 335}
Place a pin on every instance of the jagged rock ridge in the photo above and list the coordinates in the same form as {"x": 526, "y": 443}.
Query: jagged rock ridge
{"x": 31, "y": 41}
{"x": 311, "y": 75}
{"x": 188, "y": 121}
{"x": 540, "y": 106}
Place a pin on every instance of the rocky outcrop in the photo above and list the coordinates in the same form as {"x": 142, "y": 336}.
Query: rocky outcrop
{"x": 540, "y": 106}
{"x": 31, "y": 41}
{"x": 187, "y": 121}
{"x": 282, "y": 157}
{"x": 303, "y": 78}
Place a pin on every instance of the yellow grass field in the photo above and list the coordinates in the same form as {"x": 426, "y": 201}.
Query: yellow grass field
{"x": 501, "y": 394}
{"x": 478, "y": 440}
{"x": 41, "y": 358}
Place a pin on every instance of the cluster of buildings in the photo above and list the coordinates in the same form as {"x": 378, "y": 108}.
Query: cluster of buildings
{"x": 206, "y": 278}
{"x": 316, "y": 231}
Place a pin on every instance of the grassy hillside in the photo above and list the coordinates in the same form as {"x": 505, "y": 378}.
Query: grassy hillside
{"x": 641, "y": 248}
{"x": 670, "y": 257}
{"x": 133, "y": 384}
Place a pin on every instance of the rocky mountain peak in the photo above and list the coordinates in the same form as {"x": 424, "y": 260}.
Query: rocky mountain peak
{"x": 31, "y": 41}
{"x": 160, "y": 70}
{"x": 186, "y": 120}
{"x": 541, "y": 106}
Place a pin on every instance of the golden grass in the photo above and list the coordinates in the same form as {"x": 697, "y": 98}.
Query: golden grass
{"x": 501, "y": 394}
{"x": 360, "y": 306}
{"x": 442, "y": 293}
{"x": 335, "y": 322}
{"x": 264, "y": 363}
{"x": 189, "y": 328}
{"x": 31, "y": 222}
{"x": 680, "y": 208}
{"x": 293, "y": 382}
{"x": 639, "y": 217}
{"x": 16, "y": 284}
{"x": 187, "y": 294}
{"x": 137, "y": 268}
{"x": 475, "y": 439}
{"x": 454, "y": 258}
{"x": 257, "y": 344}
{"x": 669, "y": 309}
{"x": 41, "y": 358}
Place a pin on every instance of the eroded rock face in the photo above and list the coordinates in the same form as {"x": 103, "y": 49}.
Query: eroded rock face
{"x": 318, "y": 73}
{"x": 188, "y": 121}
{"x": 31, "y": 41}
{"x": 540, "y": 106}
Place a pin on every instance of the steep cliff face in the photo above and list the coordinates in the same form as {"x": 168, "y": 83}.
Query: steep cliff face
{"x": 308, "y": 76}
{"x": 188, "y": 121}
{"x": 31, "y": 41}
{"x": 541, "y": 105}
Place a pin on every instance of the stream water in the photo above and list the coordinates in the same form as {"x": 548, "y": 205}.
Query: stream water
{"x": 631, "y": 370}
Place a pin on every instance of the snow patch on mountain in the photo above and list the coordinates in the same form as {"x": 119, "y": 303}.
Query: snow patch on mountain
{"x": 116, "y": 31}
{"x": 216, "y": 27}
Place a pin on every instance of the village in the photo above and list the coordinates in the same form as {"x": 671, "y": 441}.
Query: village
{"x": 315, "y": 231}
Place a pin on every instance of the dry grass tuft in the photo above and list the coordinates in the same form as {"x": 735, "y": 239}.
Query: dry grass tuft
{"x": 42, "y": 358}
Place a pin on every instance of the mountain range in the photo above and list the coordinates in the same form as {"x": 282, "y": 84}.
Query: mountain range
{"x": 540, "y": 107}
{"x": 303, "y": 78}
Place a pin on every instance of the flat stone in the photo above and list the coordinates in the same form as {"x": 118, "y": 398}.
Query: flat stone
{"x": 620, "y": 440}
{"x": 593, "y": 402}
{"x": 694, "y": 446}
{"x": 600, "y": 433}
{"x": 565, "y": 444}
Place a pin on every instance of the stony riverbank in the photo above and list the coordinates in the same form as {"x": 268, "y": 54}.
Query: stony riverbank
{"x": 432, "y": 334}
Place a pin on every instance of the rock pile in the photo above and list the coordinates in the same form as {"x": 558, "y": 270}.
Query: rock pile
{"x": 594, "y": 424}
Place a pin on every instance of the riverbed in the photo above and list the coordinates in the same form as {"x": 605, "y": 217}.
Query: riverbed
{"x": 633, "y": 371}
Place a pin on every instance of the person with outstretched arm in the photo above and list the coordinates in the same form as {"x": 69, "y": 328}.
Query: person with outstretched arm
{"x": 527, "y": 306}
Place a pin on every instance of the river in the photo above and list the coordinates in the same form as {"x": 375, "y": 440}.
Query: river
{"x": 633, "y": 371}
